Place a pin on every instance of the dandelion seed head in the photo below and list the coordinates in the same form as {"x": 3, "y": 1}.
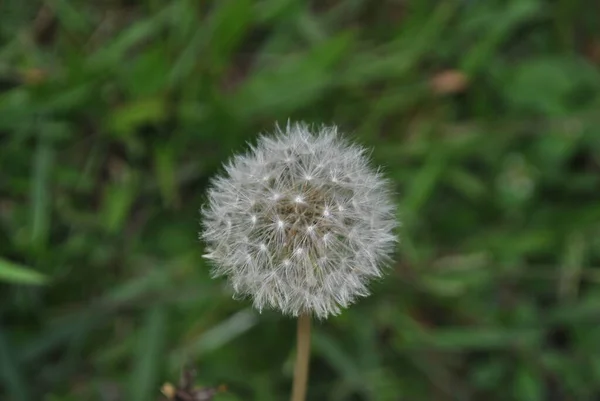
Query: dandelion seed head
{"x": 300, "y": 223}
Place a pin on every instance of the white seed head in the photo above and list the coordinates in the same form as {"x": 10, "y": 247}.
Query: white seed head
{"x": 300, "y": 223}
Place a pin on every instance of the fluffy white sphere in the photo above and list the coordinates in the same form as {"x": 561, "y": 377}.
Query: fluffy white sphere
{"x": 300, "y": 223}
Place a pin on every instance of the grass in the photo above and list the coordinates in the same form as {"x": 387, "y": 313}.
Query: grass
{"x": 113, "y": 116}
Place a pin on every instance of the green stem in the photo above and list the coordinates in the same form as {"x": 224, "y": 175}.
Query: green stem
{"x": 302, "y": 359}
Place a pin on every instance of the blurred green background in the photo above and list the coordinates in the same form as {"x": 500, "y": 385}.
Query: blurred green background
{"x": 485, "y": 113}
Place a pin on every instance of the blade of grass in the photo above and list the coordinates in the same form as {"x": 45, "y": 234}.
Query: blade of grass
{"x": 215, "y": 337}
{"x": 166, "y": 170}
{"x": 116, "y": 51}
{"x": 229, "y": 23}
{"x": 10, "y": 371}
{"x": 476, "y": 338}
{"x": 149, "y": 355}
{"x": 304, "y": 77}
{"x": 16, "y": 274}
{"x": 424, "y": 183}
{"x": 572, "y": 267}
{"x": 40, "y": 197}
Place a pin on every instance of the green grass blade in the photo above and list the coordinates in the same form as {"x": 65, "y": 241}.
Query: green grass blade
{"x": 10, "y": 371}
{"x": 13, "y": 273}
{"x": 149, "y": 356}
{"x": 40, "y": 196}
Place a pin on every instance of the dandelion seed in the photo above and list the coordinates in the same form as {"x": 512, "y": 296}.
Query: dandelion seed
{"x": 317, "y": 220}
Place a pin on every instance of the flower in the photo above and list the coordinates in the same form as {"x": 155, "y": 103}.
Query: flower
{"x": 300, "y": 223}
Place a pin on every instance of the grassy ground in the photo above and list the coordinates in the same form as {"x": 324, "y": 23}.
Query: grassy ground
{"x": 113, "y": 115}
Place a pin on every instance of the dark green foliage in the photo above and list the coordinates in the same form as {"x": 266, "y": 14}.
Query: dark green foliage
{"x": 114, "y": 114}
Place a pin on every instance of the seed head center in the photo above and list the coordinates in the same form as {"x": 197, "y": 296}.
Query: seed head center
{"x": 303, "y": 211}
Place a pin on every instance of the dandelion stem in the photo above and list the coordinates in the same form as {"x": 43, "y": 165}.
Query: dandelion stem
{"x": 302, "y": 359}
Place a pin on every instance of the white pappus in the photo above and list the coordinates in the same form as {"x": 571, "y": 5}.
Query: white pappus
{"x": 300, "y": 223}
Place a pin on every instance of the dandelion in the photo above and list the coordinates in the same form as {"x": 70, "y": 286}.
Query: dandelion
{"x": 300, "y": 223}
